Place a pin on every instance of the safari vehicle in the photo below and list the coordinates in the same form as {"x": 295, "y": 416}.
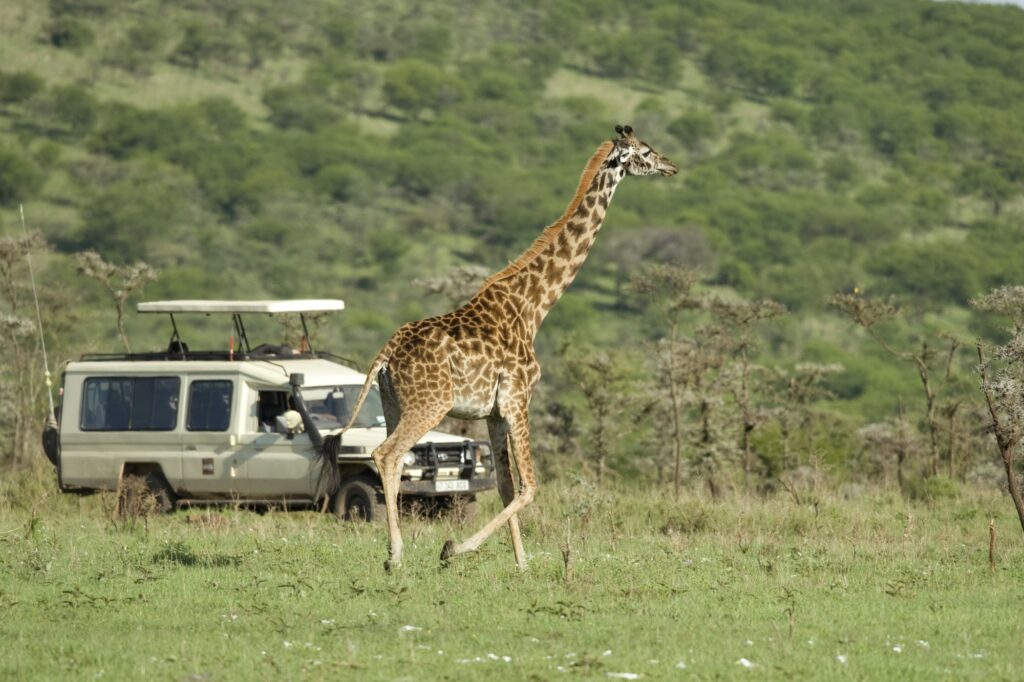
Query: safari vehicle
{"x": 205, "y": 427}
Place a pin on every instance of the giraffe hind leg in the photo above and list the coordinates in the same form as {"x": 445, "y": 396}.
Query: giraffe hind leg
{"x": 519, "y": 438}
{"x": 501, "y": 448}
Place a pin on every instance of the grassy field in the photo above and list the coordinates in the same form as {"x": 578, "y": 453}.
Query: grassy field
{"x": 868, "y": 588}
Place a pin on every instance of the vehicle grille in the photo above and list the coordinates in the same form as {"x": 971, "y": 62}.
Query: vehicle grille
{"x": 466, "y": 455}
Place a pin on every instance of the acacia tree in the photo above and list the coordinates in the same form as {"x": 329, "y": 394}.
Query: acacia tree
{"x": 1002, "y": 382}
{"x": 701, "y": 361}
{"x": 928, "y": 359}
{"x": 19, "y": 383}
{"x": 601, "y": 379}
{"x": 458, "y": 285}
{"x": 741, "y": 318}
{"x": 120, "y": 281}
{"x": 295, "y": 334}
{"x": 890, "y": 442}
{"x": 668, "y": 288}
{"x": 695, "y": 371}
{"x": 795, "y": 391}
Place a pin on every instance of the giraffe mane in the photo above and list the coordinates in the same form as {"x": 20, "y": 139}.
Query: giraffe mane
{"x": 552, "y": 230}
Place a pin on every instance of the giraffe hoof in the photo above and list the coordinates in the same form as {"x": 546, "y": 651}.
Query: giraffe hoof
{"x": 387, "y": 566}
{"x": 447, "y": 552}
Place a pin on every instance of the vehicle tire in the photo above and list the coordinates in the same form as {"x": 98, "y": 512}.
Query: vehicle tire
{"x": 358, "y": 500}
{"x": 143, "y": 494}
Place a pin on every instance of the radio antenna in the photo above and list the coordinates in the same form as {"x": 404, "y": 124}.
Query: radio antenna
{"x": 39, "y": 317}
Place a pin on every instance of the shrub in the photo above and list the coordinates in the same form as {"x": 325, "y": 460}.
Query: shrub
{"x": 413, "y": 86}
{"x": 932, "y": 489}
{"x": 19, "y": 87}
{"x": 60, "y": 8}
{"x": 694, "y": 128}
{"x": 340, "y": 32}
{"x": 294, "y": 106}
{"x": 200, "y": 43}
{"x": 74, "y": 107}
{"x": 122, "y": 220}
{"x": 262, "y": 42}
{"x": 19, "y": 177}
{"x": 341, "y": 181}
{"x": 70, "y": 33}
{"x": 124, "y": 130}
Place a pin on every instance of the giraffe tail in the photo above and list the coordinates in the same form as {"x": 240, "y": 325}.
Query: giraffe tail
{"x": 326, "y": 455}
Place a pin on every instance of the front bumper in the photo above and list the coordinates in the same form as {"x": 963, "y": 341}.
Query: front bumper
{"x": 449, "y": 486}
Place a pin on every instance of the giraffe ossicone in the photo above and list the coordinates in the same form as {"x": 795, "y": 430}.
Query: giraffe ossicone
{"x": 478, "y": 362}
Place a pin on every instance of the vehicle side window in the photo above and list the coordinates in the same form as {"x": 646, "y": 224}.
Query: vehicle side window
{"x": 270, "y": 405}
{"x": 209, "y": 405}
{"x": 130, "y": 404}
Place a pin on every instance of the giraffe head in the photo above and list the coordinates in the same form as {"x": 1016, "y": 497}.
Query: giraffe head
{"x": 637, "y": 157}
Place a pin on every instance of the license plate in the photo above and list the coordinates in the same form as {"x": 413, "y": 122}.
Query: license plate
{"x": 451, "y": 486}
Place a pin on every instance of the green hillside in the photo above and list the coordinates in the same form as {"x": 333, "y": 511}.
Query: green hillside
{"x": 251, "y": 148}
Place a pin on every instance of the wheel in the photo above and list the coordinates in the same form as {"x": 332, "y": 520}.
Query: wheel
{"x": 358, "y": 500}
{"x": 141, "y": 495}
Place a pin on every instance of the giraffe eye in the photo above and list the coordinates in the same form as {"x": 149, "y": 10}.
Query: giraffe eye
{"x": 647, "y": 153}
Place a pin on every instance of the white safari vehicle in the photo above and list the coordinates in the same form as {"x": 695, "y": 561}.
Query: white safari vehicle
{"x": 201, "y": 427}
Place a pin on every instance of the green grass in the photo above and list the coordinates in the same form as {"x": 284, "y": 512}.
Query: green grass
{"x": 852, "y": 590}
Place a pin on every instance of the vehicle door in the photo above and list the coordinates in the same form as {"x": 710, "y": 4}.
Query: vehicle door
{"x": 211, "y": 464}
{"x": 277, "y": 466}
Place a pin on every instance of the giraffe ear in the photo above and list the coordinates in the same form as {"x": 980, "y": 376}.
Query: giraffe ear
{"x": 618, "y": 129}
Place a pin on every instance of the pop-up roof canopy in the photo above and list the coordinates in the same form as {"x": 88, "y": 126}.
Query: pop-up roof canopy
{"x": 311, "y": 305}
{"x": 302, "y": 307}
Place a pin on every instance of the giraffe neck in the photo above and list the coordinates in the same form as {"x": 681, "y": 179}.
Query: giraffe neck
{"x": 543, "y": 280}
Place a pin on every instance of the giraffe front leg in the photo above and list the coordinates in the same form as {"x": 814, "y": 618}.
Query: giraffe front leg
{"x": 388, "y": 458}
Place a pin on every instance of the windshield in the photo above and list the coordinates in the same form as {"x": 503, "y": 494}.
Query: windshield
{"x": 332, "y": 406}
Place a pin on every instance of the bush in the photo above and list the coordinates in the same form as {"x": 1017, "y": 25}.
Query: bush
{"x": 430, "y": 42}
{"x": 932, "y": 489}
{"x": 694, "y": 128}
{"x": 840, "y": 172}
{"x": 19, "y": 87}
{"x": 124, "y": 130}
{"x": 19, "y": 177}
{"x": 200, "y": 44}
{"x": 340, "y": 31}
{"x": 263, "y": 42}
{"x": 413, "y": 86}
{"x": 139, "y": 50}
{"x": 222, "y": 114}
{"x": 123, "y": 220}
{"x": 935, "y": 271}
{"x": 74, "y": 107}
{"x": 59, "y": 8}
{"x": 294, "y": 106}
{"x": 341, "y": 181}
{"x": 70, "y": 33}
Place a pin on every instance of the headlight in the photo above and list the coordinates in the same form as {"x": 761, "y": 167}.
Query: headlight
{"x": 409, "y": 459}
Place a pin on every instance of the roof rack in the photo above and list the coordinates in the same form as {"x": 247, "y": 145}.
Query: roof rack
{"x": 235, "y": 309}
{"x": 270, "y": 307}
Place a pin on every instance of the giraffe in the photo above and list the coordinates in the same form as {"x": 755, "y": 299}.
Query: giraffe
{"x": 478, "y": 362}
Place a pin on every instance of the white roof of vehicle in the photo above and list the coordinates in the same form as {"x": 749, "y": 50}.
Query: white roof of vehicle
{"x": 306, "y": 305}
{"x": 268, "y": 372}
